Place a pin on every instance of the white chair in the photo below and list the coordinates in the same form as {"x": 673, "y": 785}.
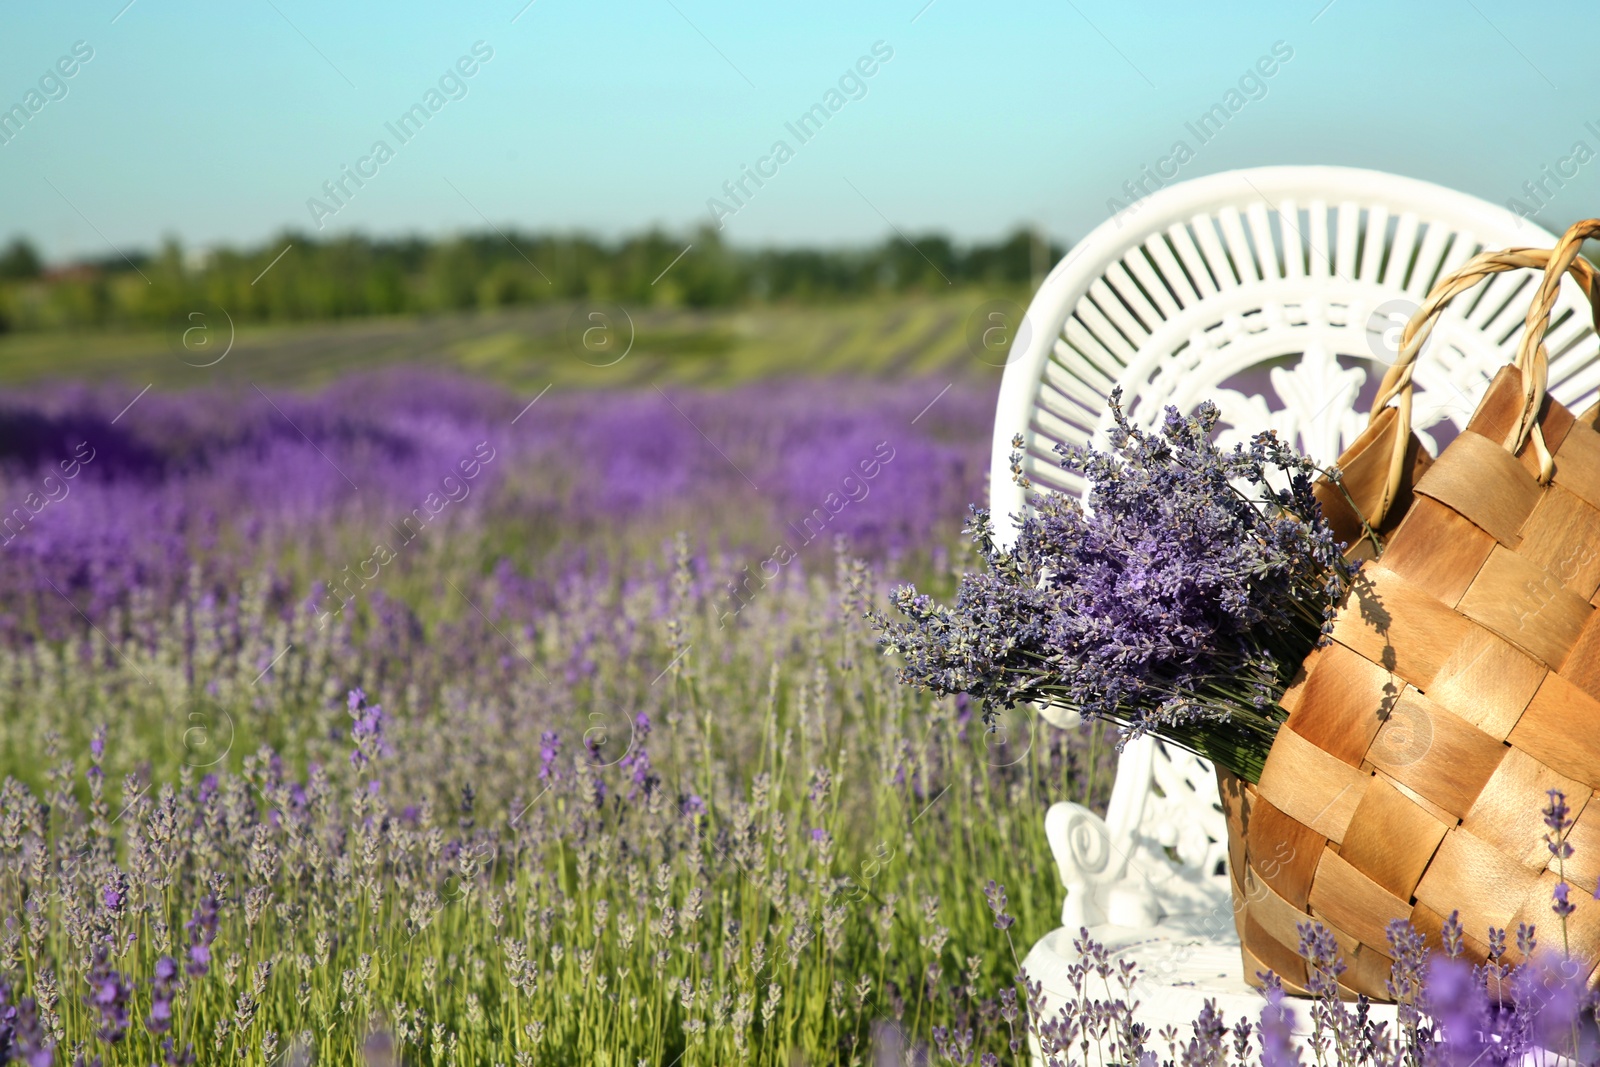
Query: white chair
{"x": 1278, "y": 293}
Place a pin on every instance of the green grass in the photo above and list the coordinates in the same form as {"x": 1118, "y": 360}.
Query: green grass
{"x": 532, "y": 347}
{"x": 823, "y": 905}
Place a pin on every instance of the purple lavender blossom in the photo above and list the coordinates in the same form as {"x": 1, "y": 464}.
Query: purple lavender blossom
{"x": 109, "y": 993}
{"x": 1557, "y": 819}
{"x": 1527, "y": 939}
{"x": 23, "y": 1038}
{"x": 995, "y": 894}
{"x": 115, "y": 893}
{"x": 202, "y": 931}
{"x": 217, "y": 480}
{"x": 378, "y": 1050}
{"x": 549, "y": 751}
{"x": 1277, "y": 1031}
{"x": 1181, "y": 604}
{"x": 1461, "y": 1009}
{"x": 1559, "y": 903}
{"x": 366, "y": 729}
{"x": 163, "y": 988}
{"x": 1552, "y": 1008}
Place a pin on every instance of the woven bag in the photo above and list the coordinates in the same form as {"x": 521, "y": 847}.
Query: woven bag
{"x": 1462, "y": 682}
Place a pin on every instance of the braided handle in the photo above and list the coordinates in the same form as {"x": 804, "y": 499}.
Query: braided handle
{"x": 1532, "y": 359}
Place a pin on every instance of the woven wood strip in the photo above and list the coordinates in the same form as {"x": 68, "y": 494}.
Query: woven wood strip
{"x": 1284, "y": 852}
{"x": 1485, "y": 485}
{"x": 1440, "y": 552}
{"x": 1392, "y": 838}
{"x": 1489, "y": 682}
{"x": 1278, "y": 918}
{"x": 1527, "y": 605}
{"x": 1263, "y": 953}
{"x": 1309, "y": 785}
{"x": 1297, "y": 687}
{"x": 1496, "y": 418}
{"x": 1436, "y": 752}
{"x": 1367, "y": 970}
{"x": 1562, "y": 536}
{"x": 1400, "y": 626}
{"x": 1507, "y": 811}
{"x": 1561, "y": 728}
{"x": 1471, "y": 876}
{"x": 1412, "y": 795}
{"x": 1342, "y": 705}
{"x": 1582, "y": 666}
{"x": 1354, "y": 903}
{"x": 1364, "y": 470}
{"x": 1579, "y": 463}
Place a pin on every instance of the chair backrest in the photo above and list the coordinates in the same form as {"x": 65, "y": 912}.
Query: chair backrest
{"x": 1279, "y": 293}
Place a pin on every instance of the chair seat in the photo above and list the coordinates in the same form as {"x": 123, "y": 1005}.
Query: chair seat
{"x": 1182, "y": 963}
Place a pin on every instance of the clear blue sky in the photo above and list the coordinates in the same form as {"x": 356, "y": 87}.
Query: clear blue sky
{"x": 216, "y": 122}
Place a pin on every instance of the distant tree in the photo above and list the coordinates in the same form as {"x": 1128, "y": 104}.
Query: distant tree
{"x": 296, "y": 277}
{"x": 20, "y": 260}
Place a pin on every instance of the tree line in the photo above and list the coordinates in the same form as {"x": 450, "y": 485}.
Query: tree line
{"x": 359, "y": 276}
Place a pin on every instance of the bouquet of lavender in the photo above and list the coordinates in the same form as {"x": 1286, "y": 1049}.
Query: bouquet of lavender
{"x": 1179, "y": 602}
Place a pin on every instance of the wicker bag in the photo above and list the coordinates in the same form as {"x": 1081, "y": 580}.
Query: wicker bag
{"x": 1462, "y": 684}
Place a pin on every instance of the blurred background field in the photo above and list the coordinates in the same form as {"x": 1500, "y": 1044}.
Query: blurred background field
{"x": 300, "y": 312}
{"x": 883, "y": 336}
{"x": 429, "y": 684}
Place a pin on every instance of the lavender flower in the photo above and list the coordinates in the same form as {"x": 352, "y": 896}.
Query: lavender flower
{"x": 1559, "y": 903}
{"x": 549, "y": 750}
{"x": 366, "y": 730}
{"x": 1181, "y": 604}
{"x": 1453, "y": 935}
{"x": 1462, "y": 1009}
{"x": 109, "y": 992}
{"x": 996, "y": 896}
{"x": 636, "y": 762}
{"x": 115, "y": 893}
{"x": 1556, "y": 819}
{"x": 378, "y": 1050}
{"x": 202, "y": 931}
{"x": 23, "y": 1038}
{"x": 163, "y": 988}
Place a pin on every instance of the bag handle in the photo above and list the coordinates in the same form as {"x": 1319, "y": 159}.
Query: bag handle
{"x": 1532, "y": 359}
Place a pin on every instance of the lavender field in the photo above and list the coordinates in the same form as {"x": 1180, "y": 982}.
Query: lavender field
{"x": 412, "y": 722}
